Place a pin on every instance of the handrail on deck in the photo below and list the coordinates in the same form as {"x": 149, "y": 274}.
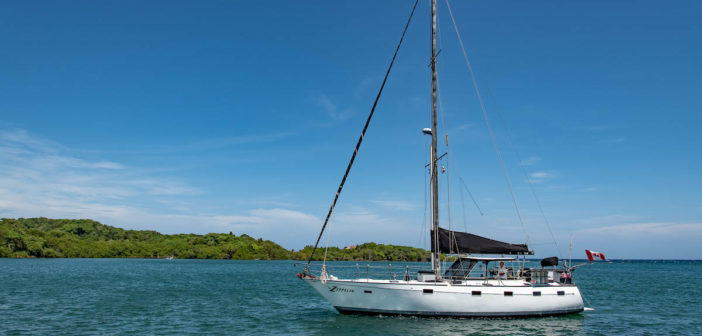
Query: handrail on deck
{"x": 534, "y": 275}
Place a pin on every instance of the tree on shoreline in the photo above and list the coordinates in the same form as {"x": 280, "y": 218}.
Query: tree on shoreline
{"x": 84, "y": 238}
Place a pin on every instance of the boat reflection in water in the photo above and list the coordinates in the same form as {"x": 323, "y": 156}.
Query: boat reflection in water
{"x": 340, "y": 324}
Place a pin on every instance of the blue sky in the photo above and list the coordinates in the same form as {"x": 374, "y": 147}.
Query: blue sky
{"x": 218, "y": 116}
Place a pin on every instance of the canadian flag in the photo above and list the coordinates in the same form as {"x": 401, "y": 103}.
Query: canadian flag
{"x": 592, "y": 255}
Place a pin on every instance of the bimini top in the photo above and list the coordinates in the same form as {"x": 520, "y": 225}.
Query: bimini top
{"x": 455, "y": 242}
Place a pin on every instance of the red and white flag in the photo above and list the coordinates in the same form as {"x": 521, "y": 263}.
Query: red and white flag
{"x": 592, "y": 255}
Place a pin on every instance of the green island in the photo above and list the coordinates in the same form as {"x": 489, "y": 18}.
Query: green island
{"x": 85, "y": 238}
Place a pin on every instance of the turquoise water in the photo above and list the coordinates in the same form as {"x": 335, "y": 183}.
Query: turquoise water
{"x": 165, "y": 297}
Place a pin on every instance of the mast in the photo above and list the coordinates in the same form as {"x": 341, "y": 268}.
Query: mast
{"x": 434, "y": 170}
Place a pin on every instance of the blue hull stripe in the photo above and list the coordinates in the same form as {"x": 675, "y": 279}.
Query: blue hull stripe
{"x": 365, "y": 311}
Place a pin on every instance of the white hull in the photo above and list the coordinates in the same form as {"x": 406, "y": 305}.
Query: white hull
{"x": 469, "y": 299}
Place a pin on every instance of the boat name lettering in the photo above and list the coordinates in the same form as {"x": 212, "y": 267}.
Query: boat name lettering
{"x": 339, "y": 289}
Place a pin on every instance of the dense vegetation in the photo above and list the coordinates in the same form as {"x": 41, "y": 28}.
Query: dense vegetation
{"x": 84, "y": 238}
{"x": 367, "y": 251}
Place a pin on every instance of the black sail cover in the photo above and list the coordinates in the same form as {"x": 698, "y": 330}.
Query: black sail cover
{"x": 462, "y": 242}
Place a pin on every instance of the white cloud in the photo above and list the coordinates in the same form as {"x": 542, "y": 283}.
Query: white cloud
{"x": 108, "y": 165}
{"x": 43, "y": 178}
{"x": 162, "y": 187}
{"x": 459, "y": 128}
{"x": 607, "y": 220}
{"x": 648, "y": 240}
{"x": 273, "y": 219}
{"x": 58, "y": 161}
{"x": 540, "y": 176}
{"x": 217, "y": 143}
{"x": 16, "y": 139}
{"x": 367, "y": 85}
{"x": 331, "y": 109}
{"x": 394, "y": 204}
{"x": 530, "y": 161}
{"x": 649, "y": 228}
{"x": 289, "y": 228}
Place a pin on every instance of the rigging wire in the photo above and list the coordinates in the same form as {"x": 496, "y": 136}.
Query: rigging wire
{"x": 463, "y": 209}
{"x": 445, "y": 129}
{"x": 448, "y": 196}
{"x": 450, "y": 153}
{"x": 452, "y": 159}
{"x": 360, "y": 139}
{"x": 487, "y": 122}
{"x": 469, "y": 193}
{"x": 448, "y": 150}
{"x": 528, "y": 179}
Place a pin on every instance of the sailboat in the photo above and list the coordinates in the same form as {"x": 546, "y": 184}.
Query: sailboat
{"x": 472, "y": 286}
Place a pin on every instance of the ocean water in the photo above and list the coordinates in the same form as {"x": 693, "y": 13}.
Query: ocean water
{"x": 167, "y": 297}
